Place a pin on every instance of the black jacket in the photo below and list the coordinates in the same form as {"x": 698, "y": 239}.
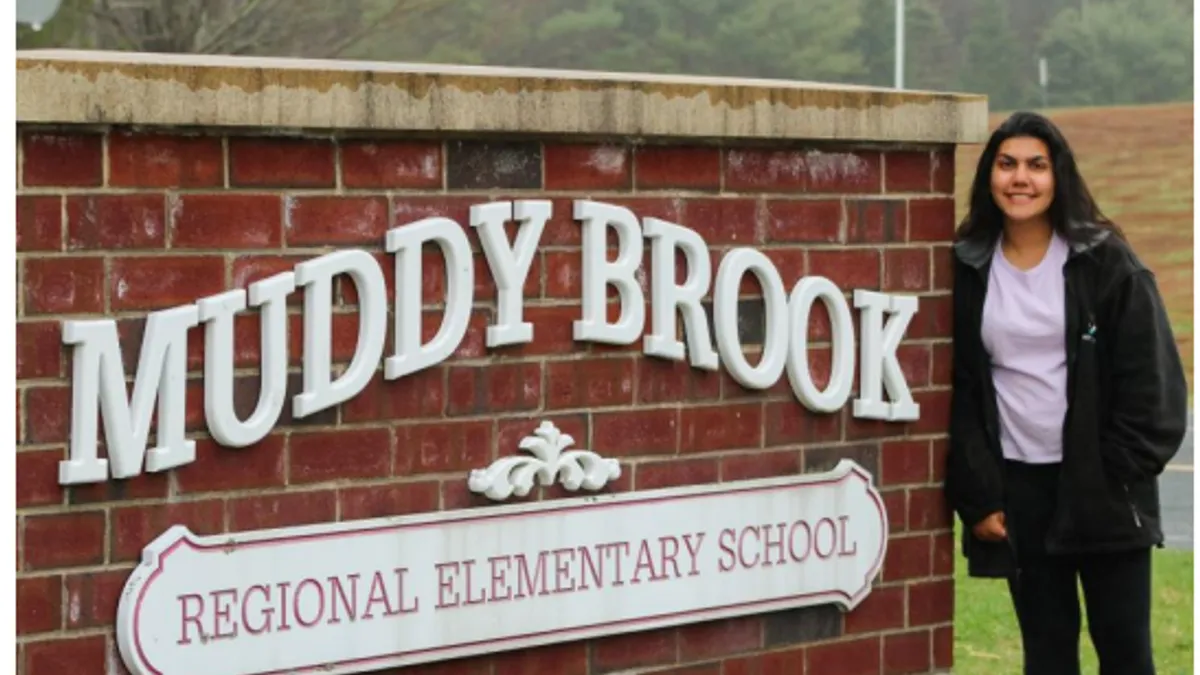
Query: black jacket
{"x": 1127, "y": 404}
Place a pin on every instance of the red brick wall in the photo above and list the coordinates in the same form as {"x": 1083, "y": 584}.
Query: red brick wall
{"x": 113, "y": 224}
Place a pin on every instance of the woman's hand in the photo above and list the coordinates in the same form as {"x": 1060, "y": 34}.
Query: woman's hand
{"x": 992, "y": 528}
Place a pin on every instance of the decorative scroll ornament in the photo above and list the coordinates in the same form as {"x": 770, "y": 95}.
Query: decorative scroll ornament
{"x": 574, "y": 469}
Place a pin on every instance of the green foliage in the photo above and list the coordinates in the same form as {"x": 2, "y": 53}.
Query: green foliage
{"x": 930, "y": 53}
{"x": 809, "y": 40}
{"x": 929, "y": 50}
{"x": 993, "y": 64}
{"x": 1121, "y": 52}
{"x": 673, "y": 37}
{"x": 750, "y": 38}
{"x": 298, "y": 28}
{"x": 876, "y": 41}
{"x": 1126, "y": 51}
{"x": 64, "y": 28}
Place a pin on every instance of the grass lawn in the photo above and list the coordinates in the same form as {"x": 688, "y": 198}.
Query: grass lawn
{"x": 987, "y": 641}
{"x": 1137, "y": 161}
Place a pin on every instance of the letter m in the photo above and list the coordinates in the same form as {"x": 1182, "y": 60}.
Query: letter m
{"x": 98, "y": 381}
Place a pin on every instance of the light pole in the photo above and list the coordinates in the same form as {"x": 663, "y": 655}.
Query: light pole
{"x": 899, "y": 44}
{"x": 1043, "y": 79}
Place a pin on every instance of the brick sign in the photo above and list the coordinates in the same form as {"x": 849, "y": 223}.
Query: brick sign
{"x": 262, "y": 295}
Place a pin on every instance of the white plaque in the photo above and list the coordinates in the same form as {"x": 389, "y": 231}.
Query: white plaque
{"x": 356, "y": 596}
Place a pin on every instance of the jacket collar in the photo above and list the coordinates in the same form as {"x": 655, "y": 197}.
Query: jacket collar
{"x": 1082, "y": 238}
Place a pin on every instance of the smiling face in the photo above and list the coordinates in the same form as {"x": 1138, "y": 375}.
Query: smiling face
{"x": 1023, "y": 179}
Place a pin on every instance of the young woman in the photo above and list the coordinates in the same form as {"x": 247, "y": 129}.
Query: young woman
{"x": 1069, "y": 398}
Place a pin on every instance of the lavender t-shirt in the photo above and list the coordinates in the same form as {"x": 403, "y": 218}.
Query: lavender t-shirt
{"x": 1023, "y": 330}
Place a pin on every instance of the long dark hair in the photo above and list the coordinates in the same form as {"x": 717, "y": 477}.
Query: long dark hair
{"x": 1073, "y": 211}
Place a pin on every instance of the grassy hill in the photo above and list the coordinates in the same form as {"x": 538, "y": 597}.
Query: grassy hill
{"x": 1137, "y": 162}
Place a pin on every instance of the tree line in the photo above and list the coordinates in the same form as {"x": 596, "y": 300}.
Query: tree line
{"x": 1097, "y": 52}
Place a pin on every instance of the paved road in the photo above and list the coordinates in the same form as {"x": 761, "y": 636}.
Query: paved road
{"x": 1177, "y": 494}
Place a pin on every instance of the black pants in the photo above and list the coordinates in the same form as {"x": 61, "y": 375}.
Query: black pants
{"x": 1116, "y": 589}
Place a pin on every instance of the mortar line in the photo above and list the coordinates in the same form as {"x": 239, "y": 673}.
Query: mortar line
{"x": 171, "y": 201}
{"x": 104, "y": 159}
{"x": 63, "y": 228}
{"x": 226, "y": 161}
{"x": 883, "y": 164}
{"x": 444, "y": 148}
{"x": 338, "y": 179}
{"x": 908, "y": 220}
{"x": 722, "y": 164}
{"x": 634, "y": 152}
{"x": 20, "y": 161}
{"x": 107, "y": 509}
{"x": 932, "y": 166}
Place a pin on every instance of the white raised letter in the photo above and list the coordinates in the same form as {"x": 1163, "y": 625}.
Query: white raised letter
{"x": 319, "y": 393}
{"x": 878, "y": 357}
{"x": 98, "y": 378}
{"x": 406, "y": 242}
{"x": 218, "y": 312}
{"x": 598, "y": 273}
{"x": 725, "y": 318}
{"x": 510, "y": 265}
{"x": 666, "y": 295}
{"x": 841, "y": 327}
